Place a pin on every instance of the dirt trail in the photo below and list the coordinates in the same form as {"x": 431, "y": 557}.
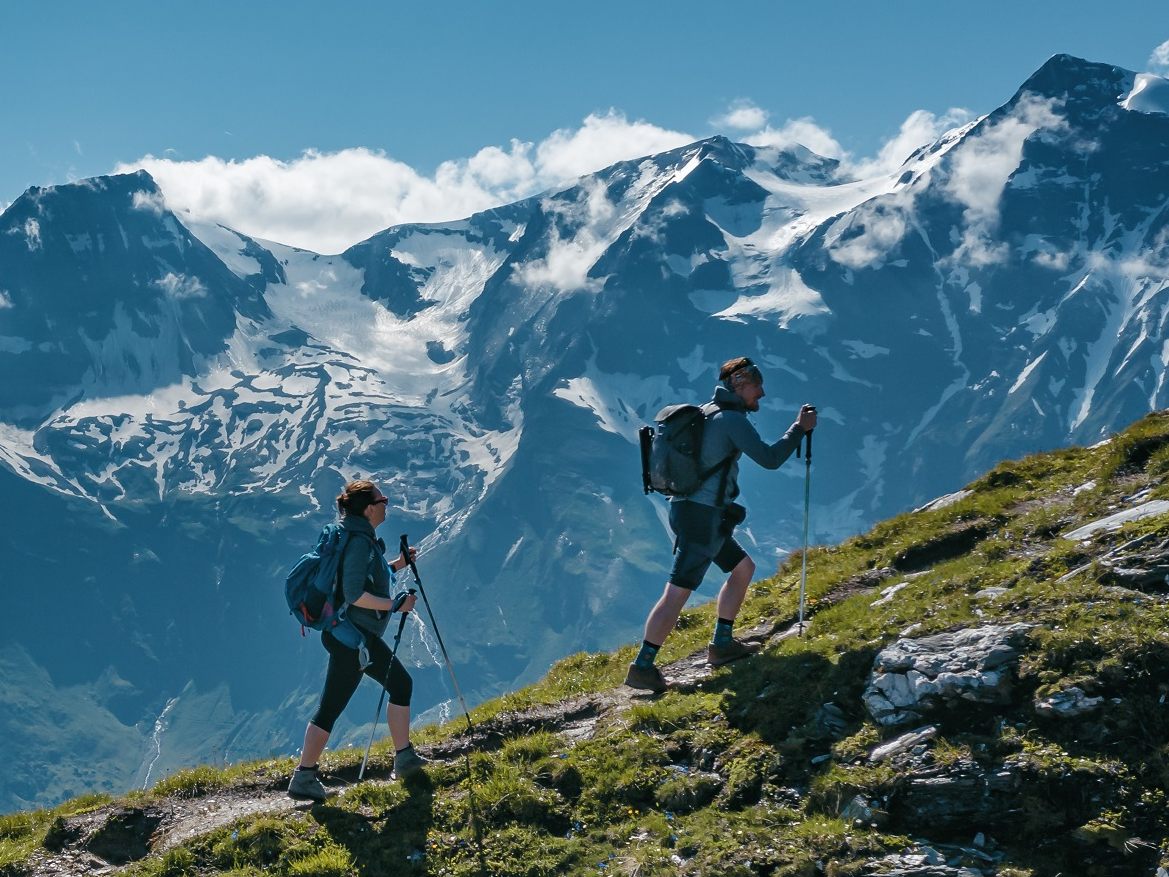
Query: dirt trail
{"x": 108, "y": 839}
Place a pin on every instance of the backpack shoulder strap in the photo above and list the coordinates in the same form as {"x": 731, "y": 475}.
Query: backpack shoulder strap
{"x": 341, "y": 548}
{"x": 709, "y": 410}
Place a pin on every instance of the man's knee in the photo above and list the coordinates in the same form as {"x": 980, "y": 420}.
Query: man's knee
{"x": 746, "y": 567}
{"x": 676, "y": 595}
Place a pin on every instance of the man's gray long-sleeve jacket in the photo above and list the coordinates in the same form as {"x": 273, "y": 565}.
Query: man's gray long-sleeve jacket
{"x": 727, "y": 432}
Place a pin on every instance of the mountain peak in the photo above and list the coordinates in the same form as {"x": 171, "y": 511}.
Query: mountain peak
{"x": 722, "y": 147}
{"x": 795, "y": 162}
{"x": 1077, "y": 80}
{"x": 139, "y": 181}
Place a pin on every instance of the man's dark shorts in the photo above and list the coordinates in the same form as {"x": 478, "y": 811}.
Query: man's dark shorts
{"x": 702, "y": 540}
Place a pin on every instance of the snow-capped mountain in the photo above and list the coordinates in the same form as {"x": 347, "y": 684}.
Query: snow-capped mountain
{"x": 180, "y": 402}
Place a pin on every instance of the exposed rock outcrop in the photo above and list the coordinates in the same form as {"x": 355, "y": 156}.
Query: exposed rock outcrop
{"x": 913, "y": 677}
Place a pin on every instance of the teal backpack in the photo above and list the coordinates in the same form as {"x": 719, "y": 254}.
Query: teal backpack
{"x": 312, "y": 589}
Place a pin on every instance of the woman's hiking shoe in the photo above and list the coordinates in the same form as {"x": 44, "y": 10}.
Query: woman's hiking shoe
{"x": 646, "y": 678}
{"x": 408, "y": 762}
{"x": 305, "y": 784}
{"x": 716, "y": 656}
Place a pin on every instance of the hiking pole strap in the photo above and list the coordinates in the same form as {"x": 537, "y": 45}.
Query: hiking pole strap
{"x": 800, "y": 447}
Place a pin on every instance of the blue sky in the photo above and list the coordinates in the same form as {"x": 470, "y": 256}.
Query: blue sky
{"x": 87, "y": 89}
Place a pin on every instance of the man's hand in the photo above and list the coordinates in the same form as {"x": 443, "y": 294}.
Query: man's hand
{"x": 408, "y": 603}
{"x": 807, "y": 418}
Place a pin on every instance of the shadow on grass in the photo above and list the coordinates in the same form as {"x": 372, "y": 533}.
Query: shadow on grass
{"x": 777, "y": 695}
{"x": 476, "y": 821}
{"x": 396, "y": 834}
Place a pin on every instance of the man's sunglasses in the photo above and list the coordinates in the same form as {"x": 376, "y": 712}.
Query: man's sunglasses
{"x": 382, "y": 501}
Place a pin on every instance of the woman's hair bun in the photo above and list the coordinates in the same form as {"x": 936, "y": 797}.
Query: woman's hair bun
{"x": 356, "y": 497}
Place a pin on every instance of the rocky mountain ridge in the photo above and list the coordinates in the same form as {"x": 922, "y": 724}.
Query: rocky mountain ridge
{"x": 183, "y": 401}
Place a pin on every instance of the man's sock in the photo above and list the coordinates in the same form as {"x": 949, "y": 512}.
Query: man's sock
{"x": 312, "y": 769}
{"x": 404, "y": 748}
{"x": 723, "y": 632}
{"x": 648, "y": 654}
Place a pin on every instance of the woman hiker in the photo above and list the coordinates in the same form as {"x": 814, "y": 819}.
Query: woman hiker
{"x": 366, "y": 579}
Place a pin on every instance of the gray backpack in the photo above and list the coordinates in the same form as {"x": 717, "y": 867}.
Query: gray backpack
{"x": 671, "y": 451}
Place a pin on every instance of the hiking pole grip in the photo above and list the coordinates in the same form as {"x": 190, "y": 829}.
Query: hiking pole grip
{"x": 404, "y": 547}
{"x": 808, "y": 452}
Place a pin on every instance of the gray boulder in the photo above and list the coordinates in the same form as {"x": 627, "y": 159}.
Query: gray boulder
{"x": 913, "y": 677}
{"x": 904, "y": 743}
{"x": 960, "y": 797}
{"x": 924, "y": 862}
{"x": 1068, "y": 704}
{"x": 1118, "y": 520}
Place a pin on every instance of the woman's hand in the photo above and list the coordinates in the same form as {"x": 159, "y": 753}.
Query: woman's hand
{"x": 402, "y": 561}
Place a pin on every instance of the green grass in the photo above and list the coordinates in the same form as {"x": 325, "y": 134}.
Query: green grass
{"x": 23, "y": 833}
{"x": 739, "y": 776}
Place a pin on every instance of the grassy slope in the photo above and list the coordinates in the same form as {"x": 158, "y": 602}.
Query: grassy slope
{"x": 728, "y": 776}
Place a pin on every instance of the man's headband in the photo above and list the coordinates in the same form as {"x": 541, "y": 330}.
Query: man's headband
{"x": 747, "y": 373}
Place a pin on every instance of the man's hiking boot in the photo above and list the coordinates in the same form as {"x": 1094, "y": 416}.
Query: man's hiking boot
{"x": 408, "y": 762}
{"x": 716, "y": 656}
{"x": 646, "y": 678}
{"x": 305, "y": 784}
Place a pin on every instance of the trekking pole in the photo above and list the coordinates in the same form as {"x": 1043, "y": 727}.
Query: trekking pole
{"x": 377, "y": 716}
{"x": 807, "y": 504}
{"x": 438, "y": 636}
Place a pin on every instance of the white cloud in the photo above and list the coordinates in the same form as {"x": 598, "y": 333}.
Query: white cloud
{"x": 1159, "y": 60}
{"x": 742, "y": 115}
{"x": 920, "y": 128}
{"x": 981, "y": 169}
{"x": 5, "y": 300}
{"x": 978, "y": 250}
{"x": 798, "y": 132}
{"x": 32, "y": 235}
{"x": 180, "y": 287}
{"x": 328, "y": 201}
{"x": 151, "y": 202}
{"x": 1150, "y": 264}
{"x": 864, "y": 237}
{"x": 567, "y": 263}
{"x": 1056, "y": 260}
{"x": 600, "y": 142}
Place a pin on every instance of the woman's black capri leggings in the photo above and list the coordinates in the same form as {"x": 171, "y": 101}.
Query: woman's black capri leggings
{"x": 344, "y": 674}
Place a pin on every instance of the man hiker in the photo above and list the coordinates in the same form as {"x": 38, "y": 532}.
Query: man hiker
{"x": 704, "y": 521}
